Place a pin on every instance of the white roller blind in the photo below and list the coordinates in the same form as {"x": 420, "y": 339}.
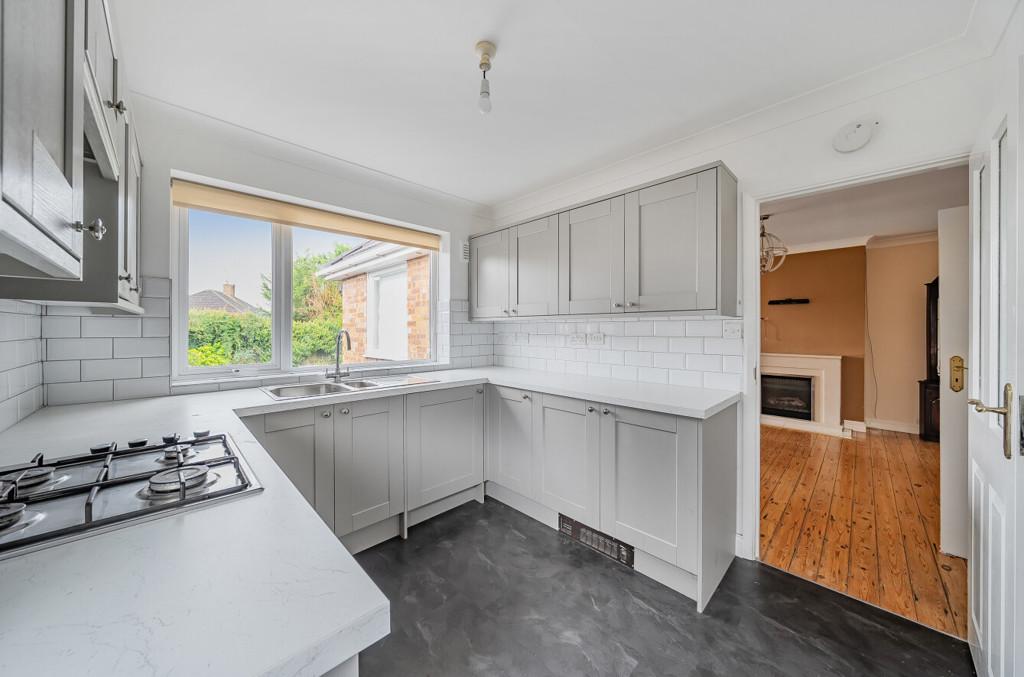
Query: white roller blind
{"x": 209, "y": 198}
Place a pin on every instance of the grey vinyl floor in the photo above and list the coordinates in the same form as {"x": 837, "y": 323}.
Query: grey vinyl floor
{"x": 485, "y": 590}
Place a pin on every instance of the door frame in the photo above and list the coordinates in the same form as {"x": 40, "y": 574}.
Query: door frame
{"x": 748, "y": 536}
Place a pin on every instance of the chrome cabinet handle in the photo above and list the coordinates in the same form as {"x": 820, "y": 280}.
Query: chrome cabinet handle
{"x": 479, "y": 391}
{"x": 96, "y": 228}
{"x": 344, "y": 411}
{"x": 630, "y": 304}
{"x": 119, "y": 107}
{"x": 606, "y": 411}
{"x": 326, "y": 414}
{"x": 505, "y": 310}
{"x": 526, "y": 396}
{"x": 125, "y": 278}
{"x": 514, "y": 310}
{"x": 616, "y": 305}
{"x": 1003, "y": 411}
{"x": 591, "y": 410}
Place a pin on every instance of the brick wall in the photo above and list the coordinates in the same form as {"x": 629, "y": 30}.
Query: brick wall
{"x": 353, "y": 318}
{"x": 418, "y": 306}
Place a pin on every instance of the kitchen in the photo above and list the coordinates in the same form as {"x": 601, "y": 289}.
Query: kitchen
{"x": 271, "y": 411}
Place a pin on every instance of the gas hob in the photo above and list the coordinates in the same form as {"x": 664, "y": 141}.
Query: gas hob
{"x": 49, "y": 501}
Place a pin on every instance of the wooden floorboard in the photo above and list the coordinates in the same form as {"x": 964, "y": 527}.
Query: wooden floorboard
{"x": 861, "y": 516}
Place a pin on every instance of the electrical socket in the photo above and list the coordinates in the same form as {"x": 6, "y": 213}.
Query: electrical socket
{"x": 577, "y": 339}
{"x": 733, "y": 330}
{"x": 595, "y": 339}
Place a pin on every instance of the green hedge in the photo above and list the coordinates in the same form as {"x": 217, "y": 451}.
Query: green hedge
{"x": 218, "y": 338}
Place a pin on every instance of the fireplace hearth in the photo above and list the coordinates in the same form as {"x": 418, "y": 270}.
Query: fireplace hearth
{"x": 788, "y": 396}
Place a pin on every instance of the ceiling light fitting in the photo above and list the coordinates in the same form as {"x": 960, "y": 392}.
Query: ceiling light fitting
{"x": 485, "y": 50}
{"x": 854, "y": 136}
{"x": 773, "y": 251}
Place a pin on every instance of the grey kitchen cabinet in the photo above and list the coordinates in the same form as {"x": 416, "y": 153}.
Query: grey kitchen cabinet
{"x": 590, "y": 260}
{"x": 510, "y": 436}
{"x": 488, "y": 275}
{"x": 567, "y": 457}
{"x": 444, "y": 432}
{"x": 41, "y": 174}
{"x": 672, "y": 243}
{"x": 102, "y": 89}
{"x": 369, "y": 469}
{"x": 533, "y": 268}
{"x": 129, "y": 233}
{"x": 290, "y": 439}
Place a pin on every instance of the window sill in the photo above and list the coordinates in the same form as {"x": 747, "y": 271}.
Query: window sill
{"x": 223, "y": 382}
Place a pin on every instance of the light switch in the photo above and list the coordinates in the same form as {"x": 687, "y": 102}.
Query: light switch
{"x": 595, "y": 339}
{"x": 733, "y": 330}
{"x": 577, "y": 339}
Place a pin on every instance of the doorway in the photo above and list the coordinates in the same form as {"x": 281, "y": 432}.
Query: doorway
{"x": 853, "y": 451}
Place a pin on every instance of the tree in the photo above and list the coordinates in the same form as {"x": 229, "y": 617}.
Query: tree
{"x": 312, "y": 296}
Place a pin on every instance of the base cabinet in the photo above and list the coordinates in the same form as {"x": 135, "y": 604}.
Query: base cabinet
{"x": 567, "y": 457}
{"x": 368, "y": 462}
{"x": 649, "y": 483}
{"x": 289, "y": 437}
{"x": 444, "y": 443}
{"x": 510, "y": 417}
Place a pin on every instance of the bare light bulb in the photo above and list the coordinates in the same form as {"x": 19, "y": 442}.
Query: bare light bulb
{"x": 484, "y": 103}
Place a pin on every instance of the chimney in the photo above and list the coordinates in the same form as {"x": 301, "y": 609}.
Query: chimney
{"x": 229, "y": 289}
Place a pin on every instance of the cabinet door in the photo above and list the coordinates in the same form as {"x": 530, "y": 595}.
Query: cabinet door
{"x": 590, "y": 258}
{"x": 671, "y": 260}
{"x": 42, "y": 121}
{"x": 510, "y": 438}
{"x": 488, "y": 275}
{"x": 444, "y": 443}
{"x": 129, "y": 284}
{"x": 567, "y": 458}
{"x": 533, "y": 268}
{"x": 289, "y": 438}
{"x": 101, "y": 60}
{"x": 649, "y": 483}
{"x": 368, "y": 468}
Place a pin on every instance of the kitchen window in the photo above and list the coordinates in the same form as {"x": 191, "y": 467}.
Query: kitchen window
{"x": 264, "y": 297}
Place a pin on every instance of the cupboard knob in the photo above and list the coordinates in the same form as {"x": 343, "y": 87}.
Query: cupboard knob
{"x": 479, "y": 391}
{"x": 326, "y": 414}
{"x": 96, "y": 228}
{"x": 630, "y": 304}
{"x": 344, "y": 411}
{"x": 526, "y": 396}
{"x": 616, "y": 305}
{"x": 591, "y": 410}
{"x": 606, "y": 411}
{"x": 125, "y": 278}
{"x": 514, "y": 310}
{"x": 118, "y": 107}
{"x": 505, "y": 310}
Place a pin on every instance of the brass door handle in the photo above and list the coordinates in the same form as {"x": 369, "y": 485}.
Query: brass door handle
{"x": 1003, "y": 411}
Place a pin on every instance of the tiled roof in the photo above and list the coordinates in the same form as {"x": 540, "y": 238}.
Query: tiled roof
{"x": 211, "y": 299}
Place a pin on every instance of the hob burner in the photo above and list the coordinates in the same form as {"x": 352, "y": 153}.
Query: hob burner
{"x": 170, "y": 481}
{"x": 10, "y": 513}
{"x": 30, "y": 477}
{"x": 171, "y": 453}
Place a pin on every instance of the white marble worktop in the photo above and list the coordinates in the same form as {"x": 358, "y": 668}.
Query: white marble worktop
{"x": 254, "y": 586}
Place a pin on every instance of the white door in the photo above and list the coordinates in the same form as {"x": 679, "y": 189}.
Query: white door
{"x": 590, "y": 241}
{"x": 671, "y": 245}
{"x": 533, "y": 268}
{"x": 488, "y": 275}
{"x": 993, "y": 446}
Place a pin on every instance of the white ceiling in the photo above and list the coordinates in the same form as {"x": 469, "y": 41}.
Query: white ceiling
{"x": 884, "y": 209}
{"x": 576, "y": 84}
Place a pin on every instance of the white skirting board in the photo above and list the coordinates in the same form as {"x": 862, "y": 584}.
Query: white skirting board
{"x": 895, "y": 426}
{"x": 809, "y": 426}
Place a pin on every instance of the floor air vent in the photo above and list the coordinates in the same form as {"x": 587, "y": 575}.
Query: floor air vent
{"x": 604, "y": 544}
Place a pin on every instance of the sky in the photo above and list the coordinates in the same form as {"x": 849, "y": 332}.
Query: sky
{"x": 233, "y": 249}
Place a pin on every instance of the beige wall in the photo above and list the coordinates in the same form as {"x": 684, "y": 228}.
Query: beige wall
{"x": 831, "y": 324}
{"x": 896, "y": 330}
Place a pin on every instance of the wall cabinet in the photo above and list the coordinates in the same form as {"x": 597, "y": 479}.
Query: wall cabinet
{"x": 42, "y": 137}
{"x": 668, "y": 246}
{"x": 510, "y": 436}
{"x": 369, "y": 472}
{"x": 444, "y": 443}
{"x": 567, "y": 457}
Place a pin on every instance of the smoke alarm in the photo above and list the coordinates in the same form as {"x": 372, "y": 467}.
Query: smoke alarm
{"x": 854, "y": 136}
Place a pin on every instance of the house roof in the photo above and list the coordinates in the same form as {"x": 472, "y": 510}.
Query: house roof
{"x": 211, "y": 299}
{"x": 368, "y": 257}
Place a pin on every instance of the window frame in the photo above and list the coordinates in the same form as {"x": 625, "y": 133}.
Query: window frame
{"x": 281, "y": 316}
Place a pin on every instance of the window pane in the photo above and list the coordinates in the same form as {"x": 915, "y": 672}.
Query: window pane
{"x": 229, "y": 284}
{"x": 316, "y": 302}
{"x": 385, "y": 294}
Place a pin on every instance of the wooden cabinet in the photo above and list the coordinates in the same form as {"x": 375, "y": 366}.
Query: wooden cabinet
{"x": 533, "y": 268}
{"x": 42, "y": 137}
{"x": 444, "y": 443}
{"x": 488, "y": 275}
{"x": 567, "y": 457}
{"x": 649, "y": 492}
{"x": 510, "y": 436}
{"x": 369, "y": 469}
{"x": 671, "y": 245}
{"x": 590, "y": 241}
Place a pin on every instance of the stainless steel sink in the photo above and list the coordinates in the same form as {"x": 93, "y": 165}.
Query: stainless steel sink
{"x": 359, "y": 384}
{"x": 293, "y": 390}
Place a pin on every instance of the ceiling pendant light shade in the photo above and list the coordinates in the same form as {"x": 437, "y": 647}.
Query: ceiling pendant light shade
{"x": 773, "y": 251}
{"x": 486, "y": 52}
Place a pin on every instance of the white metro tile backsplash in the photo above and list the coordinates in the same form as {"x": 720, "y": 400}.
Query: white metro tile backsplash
{"x": 676, "y": 350}
{"x": 95, "y": 357}
{"x": 21, "y": 368}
